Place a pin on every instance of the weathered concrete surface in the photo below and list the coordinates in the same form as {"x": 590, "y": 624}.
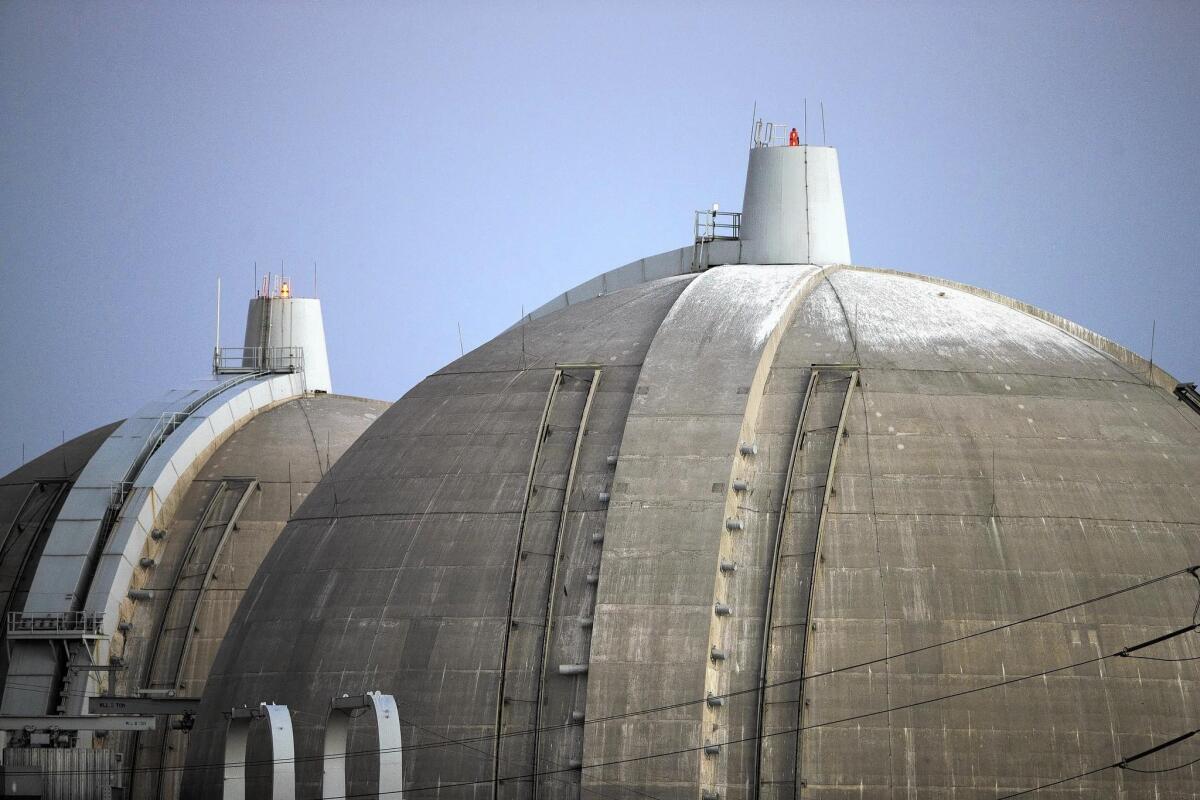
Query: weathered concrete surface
{"x": 659, "y": 579}
{"x": 281, "y": 454}
{"x": 284, "y": 452}
{"x": 994, "y": 465}
{"x": 398, "y": 573}
{"x": 997, "y": 467}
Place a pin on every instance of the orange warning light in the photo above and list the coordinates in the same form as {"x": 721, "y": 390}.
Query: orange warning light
{"x": 285, "y": 290}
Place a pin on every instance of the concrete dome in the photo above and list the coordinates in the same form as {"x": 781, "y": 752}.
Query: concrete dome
{"x": 783, "y": 470}
{"x": 217, "y": 530}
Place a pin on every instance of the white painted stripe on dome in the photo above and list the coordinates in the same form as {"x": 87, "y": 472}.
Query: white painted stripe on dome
{"x": 697, "y": 399}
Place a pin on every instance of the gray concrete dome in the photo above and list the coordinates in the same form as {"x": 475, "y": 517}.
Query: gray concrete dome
{"x": 227, "y": 515}
{"x": 704, "y": 483}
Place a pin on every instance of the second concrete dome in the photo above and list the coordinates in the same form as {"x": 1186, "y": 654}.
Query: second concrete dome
{"x": 594, "y": 556}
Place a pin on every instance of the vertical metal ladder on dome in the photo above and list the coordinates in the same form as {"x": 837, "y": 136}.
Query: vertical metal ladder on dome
{"x": 808, "y": 487}
{"x": 535, "y": 570}
{"x": 552, "y": 588}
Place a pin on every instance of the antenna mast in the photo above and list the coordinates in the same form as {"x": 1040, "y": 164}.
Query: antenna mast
{"x": 218, "y": 342}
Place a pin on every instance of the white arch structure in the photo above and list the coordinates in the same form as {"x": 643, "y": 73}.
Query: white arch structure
{"x": 337, "y": 732}
{"x": 283, "y": 751}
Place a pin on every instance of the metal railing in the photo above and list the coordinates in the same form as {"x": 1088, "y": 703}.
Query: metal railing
{"x": 166, "y": 425}
{"x": 771, "y": 134}
{"x": 241, "y": 360}
{"x": 168, "y": 421}
{"x": 713, "y": 225}
{"x": 55, "y": 624}
{"x": 1188, "y": 394}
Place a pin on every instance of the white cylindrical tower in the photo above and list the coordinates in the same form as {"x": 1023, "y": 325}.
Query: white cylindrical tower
{"x": 793, "y": 212}
{"x": 276, "y": 320}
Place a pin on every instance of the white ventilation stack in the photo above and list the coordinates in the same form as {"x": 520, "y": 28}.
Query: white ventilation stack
{"x": 792, "y": 212}
{"x": 280, "y": 324}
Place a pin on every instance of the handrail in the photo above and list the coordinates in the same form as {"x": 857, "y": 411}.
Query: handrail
{"x": 166, "y": 425}
{"x": 771, "y": 134}
{"x": 711, "y": 225}
{"x": 236, "y": 360}
{"x": 56, "y": 623}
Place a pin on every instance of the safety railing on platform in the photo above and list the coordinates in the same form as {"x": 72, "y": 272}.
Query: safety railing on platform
{"x": 771, "y": 134}
{"x": 712, "y": 225}
{"x": 241, "y": 360}
{"x": 55, "y": 624}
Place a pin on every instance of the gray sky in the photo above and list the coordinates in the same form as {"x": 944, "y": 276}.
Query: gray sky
{"x": 449, "y": 163}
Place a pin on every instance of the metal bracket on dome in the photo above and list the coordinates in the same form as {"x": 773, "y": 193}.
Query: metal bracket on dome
{"x": 283, "y": 751}
{"x": 337, "y": 729}
{"x": 1188, "y": 394}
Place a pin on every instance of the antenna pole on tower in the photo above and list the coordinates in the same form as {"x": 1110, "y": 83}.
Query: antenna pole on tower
{"x": 1150, "y": 371}
{"x": 218, "y": 342}
{"x": 806, "y": 121}
{"x": 523, "y": 321}
{"x": 824, "y": 141}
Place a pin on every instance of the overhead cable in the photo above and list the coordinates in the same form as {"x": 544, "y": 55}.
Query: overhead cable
{"x": 1122, "y": 764}
{"x": 681, "y": 751}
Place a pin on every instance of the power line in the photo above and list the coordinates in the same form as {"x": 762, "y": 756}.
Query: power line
{"x": 681, "y": 751}
{"x": 1122, "y": 764}
{"x": 1108, "y": 595}
{"x": 1167, "y": 769}
{"x": 1171, "y": 660}
{"x": 1126, "y": 652}
{"x": 1039, "y": 787}
{"x": 556, "y": 780}
{"x": 834, "y": 671}
{"x": 813, "y": 676}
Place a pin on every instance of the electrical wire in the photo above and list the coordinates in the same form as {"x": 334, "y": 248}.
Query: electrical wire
{"x": 1122, "y": 764}
{"x": 681, "y": 751}
{"x": 555, "y": 779}
{"x": 1041, "y": 786}
{"x": 1124, "y": 652}
{"x": 1195, "y": 573}
{"x": 833, "y": 671}
{"x": 466, "y": 741}
{"x": 1166, "y": 769}
{"x": 826, "y": 673}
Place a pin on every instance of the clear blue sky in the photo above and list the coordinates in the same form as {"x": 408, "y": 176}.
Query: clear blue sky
{"x": 451, "y": 162}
